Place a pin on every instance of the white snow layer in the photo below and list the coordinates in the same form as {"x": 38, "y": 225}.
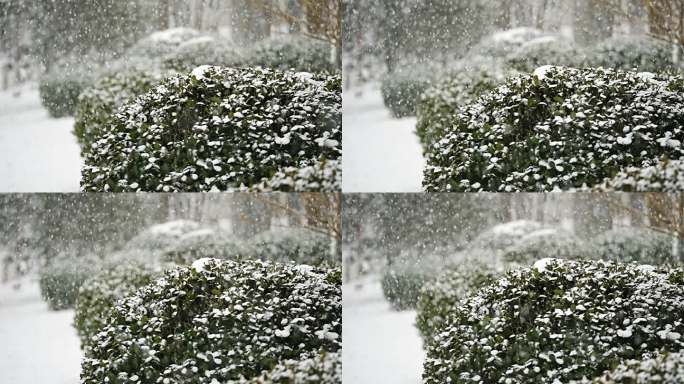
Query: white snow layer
{"x": 542, "y": 71}
{"x": 36, "y": 345}
{"x": 381, "y": 154}
{"x": 200, "y": 71}
{"x": 37, "y": 153}
{"x": 380, "y": 345}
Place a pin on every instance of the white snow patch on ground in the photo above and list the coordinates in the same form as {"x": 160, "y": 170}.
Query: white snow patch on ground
{"x": 381, "y": 154}
{"x": 380, "y": 345}
{"x": 37, "y": 153}
{"x": 36, "y": 345}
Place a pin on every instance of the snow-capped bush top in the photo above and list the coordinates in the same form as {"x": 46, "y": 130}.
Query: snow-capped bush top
{"x": 218, "y": 129}
{"x": 204, "y": 50}
{"x": 664, "y": 176}
{"x": 323, "y": 368}
{"x": 292, "y": 52}
{"x": 162, "y": 43}
{"x": 298, "y": 245}
{"x": 545, "y": 51}
{"x": 665, "y": 368}
{"x": 547, "y": 242}
{"x": 218, "y": 321}
{"x": 502, "y": 236}
{"x": 321, "y": 176}
{"x": 634, "y": 244}
{"x": 632, "y": 53}
{"x": 503, "y": 43}
{"x": 563, "y": 320}
{"x": 204, "y": 243}
{"x": 158, "y": 238}
{"x": 560, "y": 128}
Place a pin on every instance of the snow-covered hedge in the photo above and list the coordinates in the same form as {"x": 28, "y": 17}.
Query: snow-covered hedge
{"x": 97, "y": 296}
{"x": 218, "y": 321}
{"x": 321, "y": 368}
{"x": 288, "y": 245}
{"x": 665, "y": 368}
{"x": 460, "y": 86}
{"x": 98, "y": 103}
{"x": 61, "y": 280}
{"x": 292, "y": 52}
{"x": 218, "y": 129}
{"x": 321, "y": 176}
{"x": 502, "y": 236}
{"x": 438, "y": 298}
{"x": 664, "y": 176}
{"x": 632, "y": 53}
{"x": 504, "y": 43}
{"x": 204, "y": 243}
{"x": 548, "y": 242}
{"x": 555, "y": 322}
{"x": 158, "y": 238}
{"x": 633, "y": 244}
{"x": 548, "y": 50}
{"x": 204, "y": 50}
{"x": 59, "y": 89}
{"x": 559, "y": 128}
{"x": 401, "y": 89}
{"x": 159, "y": 44}
{"x": 402, "y": 281}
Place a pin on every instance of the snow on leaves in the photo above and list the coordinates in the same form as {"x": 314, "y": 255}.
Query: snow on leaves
{"x": 586, "y": 317}
{"x": 218, "y": 323}
{"x": 571, "y": 129}
{"x": 222, "y": 131}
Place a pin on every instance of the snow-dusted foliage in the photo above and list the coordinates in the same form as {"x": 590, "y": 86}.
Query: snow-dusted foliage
{"x": 216, "y": 322}
{"x": 162, "y": 43}
{"x": 503, "y": 43}
{"x": 665, "y": 368}
{"x": 557, "y": 321}
{"x": 559, "y": 129}
{"x": 321, "y": 176}
{"x": 161, "y": 237}
{"x": 296, "y": 53}
{"x": 548, "y": 50}
{"x": 629, "y": 53}
{"x": 204, "y": 243}
{"x": 634, "y": 244}
{"x": 463, "y": 84}
{"x": 218, "y": 129}
{"x": 288, "y": 245}
{"x": 101, "y": 291}
{"x": 547, "y": 242}
{"x": 59, "y": 88}
{"x": 403, "y": 279}
{"x": 437, "y": 298}
{"x": 664, "y": 176}
{"x": 61, "y": 279}
{"x": 401, "y": 89}
{"x": 98, "y": 103}
{"x": 502, "y": 236}
{"x": 321, "y": 368}
{"x": 203, "y": 50}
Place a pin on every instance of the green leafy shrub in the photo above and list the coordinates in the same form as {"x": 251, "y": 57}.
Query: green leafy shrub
{"x": 556, "y": 322}
{"x": 665, "y": 368}
{"x": 321, "y": 176}
{"x": 402, "y": 281}
{"x": 440, "y": 102}
{"x": 501, "y": 44}
{"x": 545, "y": 243}
{"x": 98, "y": 104}
{"x": 632, "y": 53}
{"x": 401, "y": 89}
{"x": 437, "y": 298}
{"x": 60, "y": 281}
{"x": 218, "y": 321}
{"x": 632, "y": 244}
{"x": 502, "y": 236}
{"x": 664, "y": 176}
{"x": 218, "y": 129}
{"x": 549, "y": 50}
{"x": 97, "y": 296}
{"x": 558, "y": 129}
{"x": 158, "y": 238}
{"x": 60, "y": 88}
{"x": 322, "y": 368}
{"x": 160, "y": 44}
{"x": 292, "y": 52}
{"x": 300, "y": 246}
